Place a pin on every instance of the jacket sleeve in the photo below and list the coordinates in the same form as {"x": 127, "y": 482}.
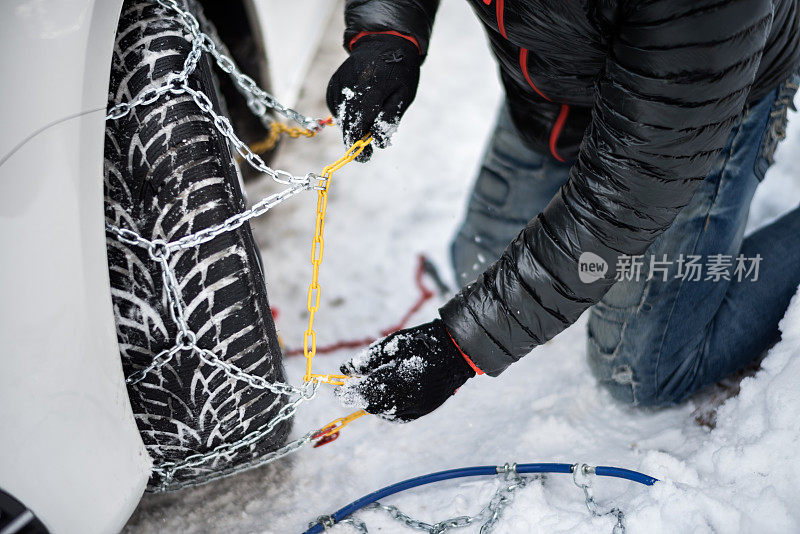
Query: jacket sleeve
{"x": 409, "y": 17}
{"x": 674, "y": 84}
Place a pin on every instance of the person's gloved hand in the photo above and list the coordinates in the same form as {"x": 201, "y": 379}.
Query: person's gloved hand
{"x": 373, "y": 88}
{"x": 407, "y": 374}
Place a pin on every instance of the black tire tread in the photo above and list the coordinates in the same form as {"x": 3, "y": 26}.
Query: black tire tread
{"x": 169, "y": 173}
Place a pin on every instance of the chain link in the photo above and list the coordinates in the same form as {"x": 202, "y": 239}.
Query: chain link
{"x": 162, "y": 359}
{"x": 580, "y": 476}
{"x": 237, "y": 373}
{"x": 235, "y": 221}
{"x": 488, "y": 516}
{"x": 129, "y": 237}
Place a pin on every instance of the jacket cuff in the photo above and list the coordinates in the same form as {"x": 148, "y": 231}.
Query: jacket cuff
{"x": 359, "y": 35}
{"x": 466, "y": 358}
{"x": 470, "y": 338}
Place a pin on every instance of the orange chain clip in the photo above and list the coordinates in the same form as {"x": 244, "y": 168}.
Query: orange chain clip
{"x": 331, "y": 431}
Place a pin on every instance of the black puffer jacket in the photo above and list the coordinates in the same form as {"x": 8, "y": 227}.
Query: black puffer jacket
{"x": 642, "y": 93}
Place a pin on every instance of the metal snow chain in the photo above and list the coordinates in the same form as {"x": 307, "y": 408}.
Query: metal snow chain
{"x": 279, "y": 388}
{"x": 148, "y": 96}
{"x": 168, "y": 469}
{"x": 224, "y": 126}
{"x": 159, "y": 253}
{"x": 129, "y": 237}
{"x": 159, "y": 361}
{"x": 235, "y": 221}
{"x": 581, "y": 478}
{"x": 176, "y": 85}
{"x": 258, "y": 100}
{"x": 159, "y": 249}
{"x": 488, "y": 516}
{"x": 186, "y": 339}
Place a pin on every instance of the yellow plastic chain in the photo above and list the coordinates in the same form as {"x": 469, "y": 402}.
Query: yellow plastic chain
{"x": 317, "y": 248}
{"x": 315, "y": 291}
{"x": 275, "y": 130}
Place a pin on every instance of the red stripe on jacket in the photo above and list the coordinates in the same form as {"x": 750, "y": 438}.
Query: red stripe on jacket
{"x": 556, "y": 131}
{"x": 523, "y": 65}
{"x": 501, "y": 25}
{"x": 558, "y": 126}
{"x": 359, "y": 35}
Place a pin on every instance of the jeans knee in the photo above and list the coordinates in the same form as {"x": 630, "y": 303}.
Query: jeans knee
{"x": 621, "y": 389}
{"x": 627, "y": 373}
{"x": 636, "y": 381}
{"x": 625, "y": 387}
{"x": 615, "y": 377}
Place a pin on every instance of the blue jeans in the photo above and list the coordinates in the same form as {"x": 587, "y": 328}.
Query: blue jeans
{"x": 654, "y": 340}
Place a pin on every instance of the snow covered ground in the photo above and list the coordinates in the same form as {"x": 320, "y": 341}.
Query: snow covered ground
{"x": 743, "y": 476}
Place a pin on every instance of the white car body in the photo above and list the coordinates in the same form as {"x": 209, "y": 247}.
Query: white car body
{"x": 69, "y": 447}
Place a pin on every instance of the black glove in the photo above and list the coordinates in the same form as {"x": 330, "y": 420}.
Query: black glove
{"x": 407, "y": 374}
{"x": 372, "y": 89}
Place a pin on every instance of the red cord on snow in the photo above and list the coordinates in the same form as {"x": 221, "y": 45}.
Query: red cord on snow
{"x": 425, "y": 295}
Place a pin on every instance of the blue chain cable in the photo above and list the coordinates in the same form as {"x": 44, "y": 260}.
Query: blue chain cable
{"x": 484, "y": 470}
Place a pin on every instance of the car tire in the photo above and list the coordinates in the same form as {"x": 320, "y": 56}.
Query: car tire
{"x": 169, "y": 173}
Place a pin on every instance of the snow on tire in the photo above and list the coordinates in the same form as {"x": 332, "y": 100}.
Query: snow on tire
{"x": 169, "y": 173}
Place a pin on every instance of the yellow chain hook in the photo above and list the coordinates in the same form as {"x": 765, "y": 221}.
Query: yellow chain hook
{"x": 277, "y": 128}
{"x": 337, "y": 425}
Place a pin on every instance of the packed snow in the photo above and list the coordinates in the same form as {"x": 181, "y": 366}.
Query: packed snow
{"x": 741, "y": 476}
